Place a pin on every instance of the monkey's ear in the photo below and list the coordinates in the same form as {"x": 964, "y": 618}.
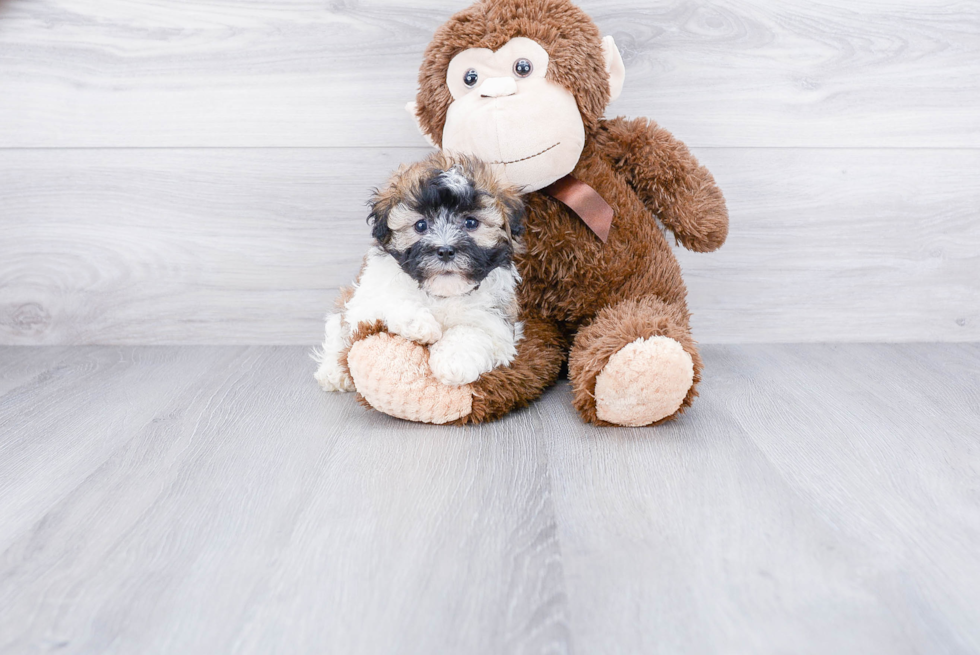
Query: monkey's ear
{"x": 411, "y": 108}
{"x": 614, "y": 66}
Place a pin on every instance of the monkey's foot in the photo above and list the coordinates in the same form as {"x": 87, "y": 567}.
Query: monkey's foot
{"x": 644, "y": 382}
{"x": 392, "y": 374}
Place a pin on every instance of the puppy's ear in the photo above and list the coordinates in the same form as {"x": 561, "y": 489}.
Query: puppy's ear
{"x": 381, "y": 205}
{"x": 514, "y": 214}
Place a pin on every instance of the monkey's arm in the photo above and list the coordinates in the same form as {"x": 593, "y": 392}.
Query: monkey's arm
{"x": 535, "y": 368}
{"x": 669, "y": 181}
{"x": 393, "y": 376}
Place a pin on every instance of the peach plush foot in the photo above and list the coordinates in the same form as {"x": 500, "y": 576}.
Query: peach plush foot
{"x": 393, "y": 375}
{"x": 644, "y": 382}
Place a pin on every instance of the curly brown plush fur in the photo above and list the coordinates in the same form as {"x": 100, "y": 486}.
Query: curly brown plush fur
{"x": 599, "y": 297}
{"x": 583, "y": 300}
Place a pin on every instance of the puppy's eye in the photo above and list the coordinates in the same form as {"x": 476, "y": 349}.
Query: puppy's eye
{"x": 471, "y": 223}
{"x": 470, "y": 78}
{"x": 523, "y": 67}
{"x": 421, "y": 226}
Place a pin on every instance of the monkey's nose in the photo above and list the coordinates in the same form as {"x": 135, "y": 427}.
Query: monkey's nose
{"x": 445, "y": 253}
{"x": 498, "y": 87}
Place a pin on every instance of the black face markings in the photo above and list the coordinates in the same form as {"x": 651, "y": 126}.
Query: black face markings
{"x": 447, "y": 205}
{"x": 484, "y": 260}
{"x": 412, "y": 261}
{"x": 450, "y": 190}
{"x": 423, "y": 260}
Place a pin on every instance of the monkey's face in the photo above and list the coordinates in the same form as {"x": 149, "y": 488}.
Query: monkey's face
{"x": 506, "y": 112}
{"x": 448, "y": 226}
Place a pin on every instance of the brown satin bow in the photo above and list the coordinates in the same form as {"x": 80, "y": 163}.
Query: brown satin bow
{"x": 584, "y": 201}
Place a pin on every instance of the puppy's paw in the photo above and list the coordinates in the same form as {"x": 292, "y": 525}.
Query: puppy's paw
{"x": 455, "y": 362}
{"x": 421, "y": 327}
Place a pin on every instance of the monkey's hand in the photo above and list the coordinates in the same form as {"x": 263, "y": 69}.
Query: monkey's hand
{"x": 392, "y": 374}
{"x": 669, "y": 181}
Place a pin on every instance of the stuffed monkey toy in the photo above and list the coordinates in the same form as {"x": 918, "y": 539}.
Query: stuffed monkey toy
{"x": 522, "y": 85}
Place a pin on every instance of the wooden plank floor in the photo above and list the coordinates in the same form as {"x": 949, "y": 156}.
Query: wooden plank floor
{"x": 817, "y": 499}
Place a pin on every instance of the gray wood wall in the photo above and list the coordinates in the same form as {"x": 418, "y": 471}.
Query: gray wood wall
{"x": 196, "y": 172}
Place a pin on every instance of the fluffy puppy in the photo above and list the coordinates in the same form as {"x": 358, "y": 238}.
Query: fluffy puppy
{"x": 440, "y": 271}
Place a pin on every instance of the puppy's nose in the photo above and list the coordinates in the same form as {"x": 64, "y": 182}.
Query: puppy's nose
{"x": 498, "y": 87}
{"x": 445, "y": 253}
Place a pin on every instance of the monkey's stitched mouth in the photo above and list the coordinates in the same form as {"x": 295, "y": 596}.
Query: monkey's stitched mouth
{"x": 552, "y": 147}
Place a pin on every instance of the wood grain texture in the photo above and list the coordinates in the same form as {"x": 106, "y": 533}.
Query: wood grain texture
{"x": 203, "y": 500}
{"x": 816, "y": 499}
{"x": 249, "y": 246}
{"x": 841, "y": 245}
{"x": 303, "y": 73}
{"x": 224, "y": 246}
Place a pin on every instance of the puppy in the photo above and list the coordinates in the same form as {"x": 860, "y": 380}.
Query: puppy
{"x": 440, "y": 271}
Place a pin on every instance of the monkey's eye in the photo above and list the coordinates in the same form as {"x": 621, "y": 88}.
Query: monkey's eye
{"x": 421, "y": 226}
{"x": 470, "y": 78}
{"x": 523, "y": 67}
{"x": 471, "y": 223}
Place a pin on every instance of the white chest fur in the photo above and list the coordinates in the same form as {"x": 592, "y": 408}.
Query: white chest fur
{"x": 470, "y": 334}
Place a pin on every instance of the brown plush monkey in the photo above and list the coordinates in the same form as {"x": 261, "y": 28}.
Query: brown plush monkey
{"x": 523, "y": 84}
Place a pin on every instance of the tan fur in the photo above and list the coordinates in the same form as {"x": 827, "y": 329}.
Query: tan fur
{"x": 493, "y": 227}
{"x": 345, "y": 294}
{"x": 497, "y": 200}
{"x": 582, "y": 299}
{"x": 401, "y": 220}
